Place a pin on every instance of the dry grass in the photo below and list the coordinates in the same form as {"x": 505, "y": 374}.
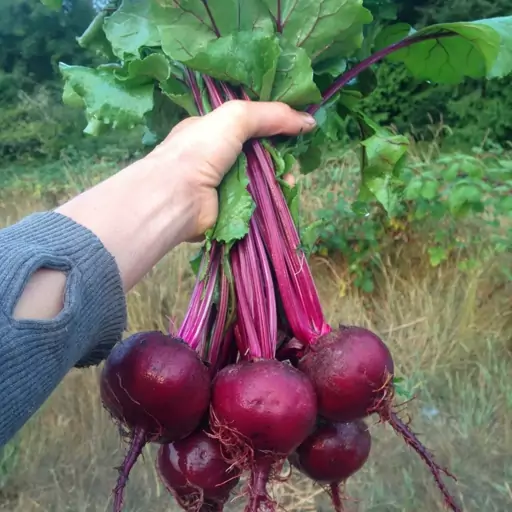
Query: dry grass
{"x": 448, "y": 332}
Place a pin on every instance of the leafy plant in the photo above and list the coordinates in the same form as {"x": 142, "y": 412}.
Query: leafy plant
{"x": 455, "y": 205}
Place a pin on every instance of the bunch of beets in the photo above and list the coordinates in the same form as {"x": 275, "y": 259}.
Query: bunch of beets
{"x": 255, "y": 376}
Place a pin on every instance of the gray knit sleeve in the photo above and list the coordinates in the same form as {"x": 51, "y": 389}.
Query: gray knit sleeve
{"x": 36, "y": 355}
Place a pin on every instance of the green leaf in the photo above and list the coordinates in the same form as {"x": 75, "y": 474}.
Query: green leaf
{"x": 144, "y": 71}
{"x": 323, "y": 29}
{"x": 248, "y": 58}
{"x": 462, "y": 196}
{"x": 437, "y": 255}
{"x": 413, "y": 189}
{"x": 107, "y": 100}
{"x": 161, "y": 119}
{"x": 186, "y": 29}
{"x": 71, "y": 98}
{"x": 132, "y": 27}
{"x": 94, "y": 37}
{"x": 429, "y": 189}
{"x": 56, "y": 5}
{"x": 196, "y": 260}
{"x": 309, "y": 236}
{"x": 475, "y": 49}
{"x": 180, "y": 94}
{"x": 291, "y": 194}
{"x": 236, "y": 206}
{"x": 382, "y": 157}
{"x": 310, "y": 160}
{"x": 294, "y": 82}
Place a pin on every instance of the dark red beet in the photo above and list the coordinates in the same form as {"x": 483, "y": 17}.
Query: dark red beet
{"x": 143, "y": 385}
{"x": 261, "y": 411}
{"x": 334, "y": 451}
{"x": 270, "y": 404}
{"x": 195, "y": 471}
{"x": 352, "y": 373}
{"x": 350, "y": 370}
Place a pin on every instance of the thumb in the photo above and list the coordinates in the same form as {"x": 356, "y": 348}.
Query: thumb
{"x": 251, "y": 119}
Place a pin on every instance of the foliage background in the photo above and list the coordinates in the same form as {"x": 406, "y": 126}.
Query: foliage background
{"x": 34, "y": 124}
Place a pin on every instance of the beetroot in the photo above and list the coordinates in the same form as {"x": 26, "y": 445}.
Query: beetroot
{"x": 261, "y": 411}
{"x": 334, "y": 451}
{"x": 196, "y": 473}
{"x": 143, "y": 385}
{"x": 351, "y": 370}
{"x": 269, "y": 403}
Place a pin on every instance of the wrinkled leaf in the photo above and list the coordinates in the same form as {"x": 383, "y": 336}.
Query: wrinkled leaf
{"x": 384, "y": 155}
{"x": 186, "y": 28}
{"x": 475, "y": 49}
{"x": 71, "y": 98}
{"x": 107, "y": 100}
{"x": 143, "y": 71}
{"x": 294, "y": 82}
{"x": 94, "y": 38}
{"x": 131, "y": 27}
{"x": 323, "y": 29}
{"x": 180, "y": 94}
{"x": 236, "y": 206}
{"x": 248, "y": 58}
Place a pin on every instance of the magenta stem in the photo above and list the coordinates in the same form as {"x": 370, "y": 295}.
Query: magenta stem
{"x": 248, "y": 337}
{"x": 346, "y": 77}
{"x": 212, "y": 19}
{"x": 269, "y": 293}
{"x": 193, "y": 328}
{"x": 279, "y": 17}
{"x": 219, "y": 328}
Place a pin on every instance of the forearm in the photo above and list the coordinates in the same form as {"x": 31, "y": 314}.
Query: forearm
{"x": 139, "y": 214}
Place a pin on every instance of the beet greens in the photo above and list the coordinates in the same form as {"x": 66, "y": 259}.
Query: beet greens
{"x": 277, "y": 380}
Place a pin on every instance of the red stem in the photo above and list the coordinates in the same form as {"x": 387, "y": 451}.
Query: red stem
{"x": 248, "y": 336}
{"x": 193, "y": 328}
{"x": 279, "y": 17}
{"x": 218, "y": 332}
{"x": 349, "y": 75}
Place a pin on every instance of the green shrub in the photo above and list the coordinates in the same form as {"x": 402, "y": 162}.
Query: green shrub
{"x": 454, "y": 205}
{"x": 473, "y": 110}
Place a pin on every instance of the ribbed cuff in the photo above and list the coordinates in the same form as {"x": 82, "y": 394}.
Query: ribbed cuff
{"x": 95, "y": 305}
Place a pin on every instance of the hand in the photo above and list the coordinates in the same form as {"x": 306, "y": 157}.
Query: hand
{"x": 200, "y": 150}
{"x": 170, "y": 196}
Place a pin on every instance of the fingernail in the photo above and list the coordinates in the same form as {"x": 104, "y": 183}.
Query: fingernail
{"x": 309, "y": 119}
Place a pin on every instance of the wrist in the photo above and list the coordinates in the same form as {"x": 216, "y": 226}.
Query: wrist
{"x": 170, "y": 207}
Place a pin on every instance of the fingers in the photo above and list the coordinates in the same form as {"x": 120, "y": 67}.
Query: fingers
{"x": 248, "y": 119}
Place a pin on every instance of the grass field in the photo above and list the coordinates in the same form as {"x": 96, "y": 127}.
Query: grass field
{"x": 450, "y": 333}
